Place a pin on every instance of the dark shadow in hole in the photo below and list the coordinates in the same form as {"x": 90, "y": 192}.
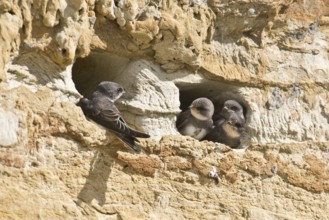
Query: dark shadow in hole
{"x": 23, "y": 30}
{"x": 64, "y": 52}
{"x": 96, "y": 181}
{"x": 81, "y": 11}
{"x": 254, "y": 35}
{"x": 11, "y": 12}
{"x": 283, "y": 9}
{"x": 217, "y": 92}
{"x": 88, "y": 72}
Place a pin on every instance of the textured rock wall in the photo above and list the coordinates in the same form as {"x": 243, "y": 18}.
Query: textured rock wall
{"x": 272, "y": 56}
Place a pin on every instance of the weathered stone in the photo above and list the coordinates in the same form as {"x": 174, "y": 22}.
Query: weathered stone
{"x": 150, "y": 100}
{"x": 271, "y": 56}
{"x": 9, "y": 128}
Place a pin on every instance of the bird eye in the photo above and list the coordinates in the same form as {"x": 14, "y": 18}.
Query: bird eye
{"x": 201, "y": 108}
{"x": 234, "y": 108}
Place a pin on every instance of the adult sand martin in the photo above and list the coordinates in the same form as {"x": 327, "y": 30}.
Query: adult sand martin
{"x": 229, "y": 125}
{"x": 196, "y": 121}
{"x": 100, "y": 108}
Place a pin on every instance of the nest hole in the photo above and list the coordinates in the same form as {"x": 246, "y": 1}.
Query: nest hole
{"x": 217, "y": 92}
{"x": 89, "y": 71}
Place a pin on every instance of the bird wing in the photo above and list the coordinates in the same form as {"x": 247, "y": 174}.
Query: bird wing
{"x": 182, "y": 119}
{"x": 219, "y": 121}
{"x": 105, "y": 113}
{"x": 216, "y": 132}
{"x": 130, "y": 141}
{"x": 110, "y": 117}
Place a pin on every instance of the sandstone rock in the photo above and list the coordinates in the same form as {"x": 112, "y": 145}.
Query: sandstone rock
{"x": 10, "y": 127}
{"x": 151, "y": 102}
{"x": 269, "y": 55}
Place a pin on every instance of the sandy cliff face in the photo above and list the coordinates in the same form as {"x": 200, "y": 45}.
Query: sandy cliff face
{"x": 272, "y": 56}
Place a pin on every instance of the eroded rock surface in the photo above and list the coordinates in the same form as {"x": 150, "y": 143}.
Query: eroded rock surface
{"x": 272, "y": 56}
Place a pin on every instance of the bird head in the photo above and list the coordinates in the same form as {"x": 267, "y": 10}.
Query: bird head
{"x": 237, "y": 122}
{"x": 111, "y": 89}
{"x": 202, "y": 109}
{"x": 231, "y": 107}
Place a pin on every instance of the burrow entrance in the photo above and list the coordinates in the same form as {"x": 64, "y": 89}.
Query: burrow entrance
{"x": 88, "y": 72}
{"x": 217, "y": 92}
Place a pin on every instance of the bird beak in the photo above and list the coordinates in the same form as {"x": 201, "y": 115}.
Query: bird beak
{"x": 123, "y": 95}
{"x": 232, "y": 122}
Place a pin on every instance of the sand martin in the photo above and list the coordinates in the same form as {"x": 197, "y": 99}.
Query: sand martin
{"x": 227, "y": 132}
{"x": 229, "y": 125}
{"x": 230, "y": 107}
{"x": 100, "y": 108}
{"x": 196, "y": 121}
